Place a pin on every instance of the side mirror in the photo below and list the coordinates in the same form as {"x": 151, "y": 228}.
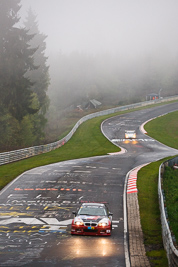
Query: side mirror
{"x": 74, "y": 212}
{"x": 110, "y": 213}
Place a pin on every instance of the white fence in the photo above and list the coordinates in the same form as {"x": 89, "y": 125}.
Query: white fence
{"x": 16, "y": 155}
{"x": 168, "y": 239}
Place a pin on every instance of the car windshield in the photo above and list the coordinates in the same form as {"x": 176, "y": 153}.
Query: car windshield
{"x": 92, "y": 210}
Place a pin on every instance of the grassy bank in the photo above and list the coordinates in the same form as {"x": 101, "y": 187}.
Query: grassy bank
{"x": 147, "y": 184}
{"x": 88, "y": 141}
{"x": 163, "y": 129}
{"x": 170, "y": 185}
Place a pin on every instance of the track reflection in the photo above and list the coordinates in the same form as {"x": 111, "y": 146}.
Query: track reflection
{"x": 85, "y": 247}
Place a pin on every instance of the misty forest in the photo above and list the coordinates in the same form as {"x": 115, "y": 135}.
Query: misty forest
{"x": 42, "y": 96}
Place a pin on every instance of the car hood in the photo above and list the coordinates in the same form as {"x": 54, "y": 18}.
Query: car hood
{"x": 88, "y": 218}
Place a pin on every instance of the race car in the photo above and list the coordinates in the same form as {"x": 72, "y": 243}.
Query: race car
{"x": 130, "y": 134}
{"x": 92, "y": 219}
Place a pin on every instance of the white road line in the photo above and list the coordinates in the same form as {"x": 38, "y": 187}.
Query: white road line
{"x": 51, "y": 221}
{"x": 132, "y": 140}
{"x": 83, "y": 171}
{"x": 66, "y": 222}
{"x": 38, "y": 171}
{"x": 61, "y": 171}
{"x": 91, "y": 167}
{"x": 31, "y": 221}
{"x": 54, "y": 228}
{"x": 18, "y": 196}
{"x": 76, "y": 166}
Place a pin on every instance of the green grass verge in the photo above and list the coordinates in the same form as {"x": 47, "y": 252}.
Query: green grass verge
{"x": 147, "y": 184}
{"x": 165, "y": 129}
{"x": 170, "y": 186}
{"x": 88, "y": 141}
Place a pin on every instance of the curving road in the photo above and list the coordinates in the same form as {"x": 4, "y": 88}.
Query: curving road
{"x": 36, "y": 208}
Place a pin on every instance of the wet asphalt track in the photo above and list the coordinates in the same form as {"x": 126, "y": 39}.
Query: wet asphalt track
{"x": 35, "y": 210}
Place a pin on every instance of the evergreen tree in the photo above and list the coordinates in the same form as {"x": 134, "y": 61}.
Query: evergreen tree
{"x": 16, "y": 58}
{"x": 39, "y": 77}
{"x": 19, "y": 104}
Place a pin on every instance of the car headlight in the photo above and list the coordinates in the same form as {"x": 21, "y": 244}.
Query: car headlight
{"x": 126, "y": 136}
{"x": 79, "y": 223}
{"x": 103, "y": 224}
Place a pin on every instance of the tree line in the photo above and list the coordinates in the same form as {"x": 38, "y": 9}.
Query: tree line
{"x": 24, "y": 79}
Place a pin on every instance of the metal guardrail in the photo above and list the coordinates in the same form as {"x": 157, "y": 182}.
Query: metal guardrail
{"x": 20, "y": 154}
{"x": 172, "y": 252}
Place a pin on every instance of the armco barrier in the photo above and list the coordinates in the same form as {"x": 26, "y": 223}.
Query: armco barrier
{"x": 168, "y": 239}
{"x": 16, "y": 155}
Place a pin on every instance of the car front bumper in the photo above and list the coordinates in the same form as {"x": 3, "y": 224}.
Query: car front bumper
{"x": 84, "y": 230}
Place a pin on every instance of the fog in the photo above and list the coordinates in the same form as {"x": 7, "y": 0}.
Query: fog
{"x": 127, "y": 27}
{"x": 112, "y": 50}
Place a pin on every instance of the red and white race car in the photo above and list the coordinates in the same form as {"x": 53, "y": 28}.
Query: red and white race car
{"x": 92, "y": 219}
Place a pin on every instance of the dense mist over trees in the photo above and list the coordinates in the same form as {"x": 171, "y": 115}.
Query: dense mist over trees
{"x": 114, "y": 51}
{"x": 20, "y": 100}
{"x": 110, "y": 78}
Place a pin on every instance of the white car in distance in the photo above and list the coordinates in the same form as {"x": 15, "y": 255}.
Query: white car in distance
{"x": 130, "y": 134}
